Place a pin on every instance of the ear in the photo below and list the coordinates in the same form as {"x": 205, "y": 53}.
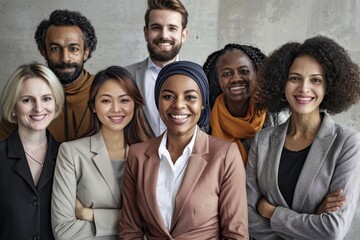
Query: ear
{"x": 86, "y": 54}
{"x": 185, "y": 34}
{"x": 145, "y": 33}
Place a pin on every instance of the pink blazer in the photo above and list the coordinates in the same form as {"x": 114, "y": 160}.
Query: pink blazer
{"x": 211, "y": 202}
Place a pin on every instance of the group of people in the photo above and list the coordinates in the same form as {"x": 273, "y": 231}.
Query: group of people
{"x": 242, "y": 147}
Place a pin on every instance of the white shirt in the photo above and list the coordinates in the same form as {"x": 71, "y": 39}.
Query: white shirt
{"x": 151, "y": 74}
{"x": 170, "y": 178}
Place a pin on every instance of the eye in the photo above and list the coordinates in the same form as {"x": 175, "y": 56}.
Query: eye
{"x": 191, "y": 97}
{"x": 105, "y": 100}
{"x": 55, "y": 49}
{"x": 226, "y": 74}
{"x": 293, "y": 78}
{"x": 125, "y": 100}
{"x": 317, "y": 80}
{"x": 167, "y": 97}
{"x": 244, "y": 71}
{"x": 173, "y": 29}
{"x": 27, "y": 100}
{"x": 47, "y": 99}
{"x": 73, "y": 49}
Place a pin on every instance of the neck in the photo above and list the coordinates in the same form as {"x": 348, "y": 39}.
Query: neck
{"x": 237, "y": 109}
{"x": 162, "y": 64}
{"x": 113, "y": 139}
{"x": 304, "y": 125}
{"x": 32, "y": 139}
{"x": 176, "y": 144}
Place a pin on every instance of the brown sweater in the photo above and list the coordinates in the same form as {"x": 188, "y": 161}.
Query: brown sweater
{"x": 78, "y": 114}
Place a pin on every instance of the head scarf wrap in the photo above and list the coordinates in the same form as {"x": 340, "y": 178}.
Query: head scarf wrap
{"x": 195, "y": 72}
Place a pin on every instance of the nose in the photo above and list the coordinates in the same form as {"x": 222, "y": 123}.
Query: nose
{"x": 304, "y": 85}
{"x": 38, "y": 106}
{"x": 164, "y": 33}
{"x": 115, "y": 107}
{"x": 65, "y": 56}
{"x": 178, "y": 103}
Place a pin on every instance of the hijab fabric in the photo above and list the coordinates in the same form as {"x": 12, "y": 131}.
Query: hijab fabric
{"x": 195, "y": 72}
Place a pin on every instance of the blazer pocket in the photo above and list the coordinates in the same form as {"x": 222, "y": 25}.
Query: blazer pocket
{"x": 205, "y": 212}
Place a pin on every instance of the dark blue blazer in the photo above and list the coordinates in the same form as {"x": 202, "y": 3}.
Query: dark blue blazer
{"x": 24, "y": 207}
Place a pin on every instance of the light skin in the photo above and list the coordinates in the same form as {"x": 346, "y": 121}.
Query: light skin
{"x": 236, "y": 73}
{"x": 165, "y": 33}
{"x": 180, "y": 105}
{"x": 65, "y": 44}
{"x": 34, "y": 111}
{"x": 305, "y": 90}
{"x": 114, "y": 109}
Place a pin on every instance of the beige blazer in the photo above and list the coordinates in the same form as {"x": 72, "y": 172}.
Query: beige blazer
{"x": 84, "y": 171}
{"x": 210, "y": 204}
{"x": 333, "y": 162}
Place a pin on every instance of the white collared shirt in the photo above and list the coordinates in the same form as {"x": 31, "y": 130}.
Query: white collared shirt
{"x": 151, "y": 73}
{"x": 170, "y": 177}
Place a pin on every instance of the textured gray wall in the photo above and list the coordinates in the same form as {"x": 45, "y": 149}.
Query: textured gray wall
{"x": 212, "y": 23}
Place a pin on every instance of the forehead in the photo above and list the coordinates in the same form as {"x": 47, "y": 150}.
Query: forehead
{"x": 237, "y": 57}
{"x": 307, "y": 63}
{"x": 180, "y": 83}
{"x": 165, "y": 17}
{"x": 111, "y": 86}
{"x": 35, "y": 84}
{"x": 64, "y": 35}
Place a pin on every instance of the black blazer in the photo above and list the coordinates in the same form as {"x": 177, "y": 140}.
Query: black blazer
{"x": 24, "y": 207}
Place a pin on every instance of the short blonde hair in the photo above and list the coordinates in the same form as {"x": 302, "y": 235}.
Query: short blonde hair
{"x": 12, "y": 88}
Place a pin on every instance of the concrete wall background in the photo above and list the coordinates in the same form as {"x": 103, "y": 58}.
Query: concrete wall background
{"x": 212, "y": 23}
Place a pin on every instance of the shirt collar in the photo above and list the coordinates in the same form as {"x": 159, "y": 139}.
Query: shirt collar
{"x": 151, "y": 63}
{"x": 187, "y": 150}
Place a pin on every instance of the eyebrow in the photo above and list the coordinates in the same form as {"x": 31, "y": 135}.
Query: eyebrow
{"x": 316, "y": 74}
{"x": 187, "y": 91}
{"x": 108, "y": 95}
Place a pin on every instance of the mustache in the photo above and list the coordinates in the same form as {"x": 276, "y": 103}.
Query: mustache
{"x": 163, "y": 40}
{"x": 65, "y": 65}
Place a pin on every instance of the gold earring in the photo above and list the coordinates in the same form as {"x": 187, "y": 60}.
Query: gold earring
{"x": 13, "y": 114}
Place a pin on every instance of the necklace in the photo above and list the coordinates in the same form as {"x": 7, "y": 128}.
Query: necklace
{"x": 41, "y": 164}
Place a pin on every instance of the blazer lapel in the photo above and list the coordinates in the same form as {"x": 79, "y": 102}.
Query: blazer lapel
{"x": 317, "y": 155}
{"x": 21, "y": 167}
{"x": 151, "y": 171}
{"x": 103, "y": 163}
{"x": 276, "y": 143}
{"x": 196, "y": 165}
{"x": 49, "y": 166}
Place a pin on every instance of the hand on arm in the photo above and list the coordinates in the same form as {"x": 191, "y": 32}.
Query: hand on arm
{"x": 265, "y": 209}
{"x": 83, "y": 213}
{"x": 333, "y": 201}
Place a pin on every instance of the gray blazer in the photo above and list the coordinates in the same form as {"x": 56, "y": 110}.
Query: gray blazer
{"x": 84, "y": 171}
{"x": 333, "y": 162}
{"x": 137, "y": 71}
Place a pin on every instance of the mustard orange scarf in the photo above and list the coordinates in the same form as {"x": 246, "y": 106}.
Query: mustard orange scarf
{"x": 228, "y": 127}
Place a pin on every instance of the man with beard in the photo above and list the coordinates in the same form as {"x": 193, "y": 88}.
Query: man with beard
{"x": 165, "y": 31}
{"x": 66, "y": 41}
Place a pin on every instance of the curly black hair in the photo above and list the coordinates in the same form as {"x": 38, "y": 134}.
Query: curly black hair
{"x": 256, "y": 56}
{"x": 67, "y": 18}
{"x": 342, "y": 75}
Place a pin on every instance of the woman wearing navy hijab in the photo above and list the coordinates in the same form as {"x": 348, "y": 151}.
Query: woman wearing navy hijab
{"x": 184, "y": 184}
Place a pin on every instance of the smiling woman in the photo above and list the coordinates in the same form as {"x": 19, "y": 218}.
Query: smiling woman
{"x": 86, "y": 200}
{"x": 184, "y": 183}
{"x": 32, "y": 98}
{"x": 302, "y": 176}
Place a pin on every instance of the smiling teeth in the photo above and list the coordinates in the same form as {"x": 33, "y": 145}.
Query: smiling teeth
{"x": 164, "y": 44}
{"x": 116, "y": 118}
{"x": 179, "y": 116}
{"x": 304, "y": 98}
{"x": 237, "y": 88}
{"x": 38, "y": 117}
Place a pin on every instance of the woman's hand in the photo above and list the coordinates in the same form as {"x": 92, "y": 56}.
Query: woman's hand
{"x": 265, "y": 209}
{"x": 83, "y": 213}
{"x": 332, "y": 202}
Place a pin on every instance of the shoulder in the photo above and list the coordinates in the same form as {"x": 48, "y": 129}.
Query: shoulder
{"x": 132, "y": 68}
{"x": 76, "y": 144}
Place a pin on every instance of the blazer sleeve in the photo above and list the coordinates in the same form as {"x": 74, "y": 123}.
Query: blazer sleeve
{"x": 232, "y": 197}
{"x": 333, "y": 225}
{"x": 130, "y": 219}
{"x": 64, "y": 223}
{"x": 259, "y": 227}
